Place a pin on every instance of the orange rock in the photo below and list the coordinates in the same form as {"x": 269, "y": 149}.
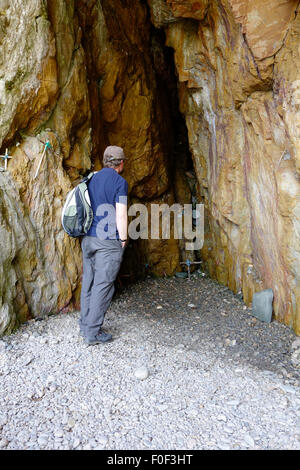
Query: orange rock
{"x": 265, "y": 23}
{"x": 191, "y": 9}
{"x": 90, "y": 74}
{"x": 245, "y": 145}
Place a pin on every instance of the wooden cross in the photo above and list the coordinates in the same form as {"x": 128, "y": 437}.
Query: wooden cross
{"x": 5, "y": 158}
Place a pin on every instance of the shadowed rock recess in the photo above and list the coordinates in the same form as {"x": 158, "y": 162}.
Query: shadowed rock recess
{"x": 205, "y": 99}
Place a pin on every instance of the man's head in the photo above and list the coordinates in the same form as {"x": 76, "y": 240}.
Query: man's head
{"x": 114, "y": 158}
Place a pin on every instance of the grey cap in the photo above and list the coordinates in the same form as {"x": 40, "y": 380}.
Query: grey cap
{"x": 113, "y": 154}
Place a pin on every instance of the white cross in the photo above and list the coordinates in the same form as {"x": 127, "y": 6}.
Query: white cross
{"x": 5, "y": 158}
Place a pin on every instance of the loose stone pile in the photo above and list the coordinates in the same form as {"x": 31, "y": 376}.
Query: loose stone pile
{"x": 197, "y": 373}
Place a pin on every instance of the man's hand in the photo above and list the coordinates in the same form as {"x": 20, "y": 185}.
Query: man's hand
{"x": 122, "y": 221}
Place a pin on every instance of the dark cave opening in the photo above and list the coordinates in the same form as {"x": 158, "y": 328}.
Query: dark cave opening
{"x": 167, "y": 85}
{"x": 158, "y": 61}
{"x": 179, "y": 159}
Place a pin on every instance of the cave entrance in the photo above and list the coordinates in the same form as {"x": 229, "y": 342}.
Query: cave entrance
{"x": 179, "y": 159}
{"x": 128, "y": 60}
{"x": 167, "y": 85}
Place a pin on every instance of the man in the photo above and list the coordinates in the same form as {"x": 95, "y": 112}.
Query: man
{"x": 104, "y": 244}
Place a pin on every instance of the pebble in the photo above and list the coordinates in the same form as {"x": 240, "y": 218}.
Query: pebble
{"x": 288, "y": 389}
{"x": 3, "y": 420}
{"x": 222, "y": 418}
{"x": 233, "y": 403}
{"x": 200, "y": 393}
{"x": 76, "y": 443}
{"x": 192, "y": 412}
{"x": 42, "y": 441}
{"x": 295, "y": 358}
{"x": 295, "y": 344}
{"x": 71, "y": 423}
{"x": 141, "y": 373}
{"x": 228, "y": 430}
{"x": 249, "y": 440}
{"x": 102, "y": 440}
{"x": 28, "y": 360}
{"x": 224, "y": 446}
{"x": 3, "y": 443}
{"x": 191, "y": 443}
{"x": 162, "y": 408}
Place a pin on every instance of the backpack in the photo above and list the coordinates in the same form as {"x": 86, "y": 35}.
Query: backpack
{"x": 77, "y": 214}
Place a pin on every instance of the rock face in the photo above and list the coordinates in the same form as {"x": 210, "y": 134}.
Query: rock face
{"x": 85, "y": 74}
{"x": 239, "y": 92}
{"x": 79, "y": 74}
{"x": 264, "y": 23}
{"x": 40, "y": 266}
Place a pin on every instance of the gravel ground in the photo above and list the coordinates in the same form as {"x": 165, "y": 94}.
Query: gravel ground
{"x": 189, "y": 368}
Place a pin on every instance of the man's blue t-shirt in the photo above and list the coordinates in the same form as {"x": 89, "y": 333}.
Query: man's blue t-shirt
{"x": 105, "y": 189}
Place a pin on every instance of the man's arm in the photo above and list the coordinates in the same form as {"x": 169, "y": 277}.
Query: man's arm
{"x": 122, "y": 221}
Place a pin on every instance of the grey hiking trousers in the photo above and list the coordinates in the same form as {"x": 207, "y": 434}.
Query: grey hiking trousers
{"x": 101, "y": 264}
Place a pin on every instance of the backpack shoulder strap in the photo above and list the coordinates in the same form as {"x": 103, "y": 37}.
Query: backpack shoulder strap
{"x": 87, "y": 178}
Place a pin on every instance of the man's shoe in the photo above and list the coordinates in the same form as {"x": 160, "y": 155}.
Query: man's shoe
{"x": 100, "y": 338}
